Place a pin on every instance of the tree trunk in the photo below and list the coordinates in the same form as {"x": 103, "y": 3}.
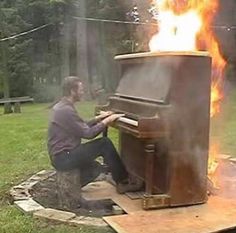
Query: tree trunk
{"x": 103, "y": 58}
{"x": 69, "y": 189}
{"x": 65, "y": 45}
{"x": 6, "y": 88}
{"x": 82, "y": 51}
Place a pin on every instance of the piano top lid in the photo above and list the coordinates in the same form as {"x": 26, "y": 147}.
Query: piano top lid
{"x": 165, "y": 53}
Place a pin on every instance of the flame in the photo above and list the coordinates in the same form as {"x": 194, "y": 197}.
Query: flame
{"x": 172, "y": 35}
{"x": 216, "y": 98}
{"x": 213, "y": 164}
{"x": 186, "y": 25}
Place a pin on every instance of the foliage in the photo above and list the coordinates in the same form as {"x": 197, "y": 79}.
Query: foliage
{"x": 31, "y": 57}
{"x": 44, "y": 93}
{"x": 15, "y": 61}
{"x": 111, "y": 39}
{"x": 45, "y": 54}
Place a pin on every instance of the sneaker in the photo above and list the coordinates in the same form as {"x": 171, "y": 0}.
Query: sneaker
{"x": 127, "y": 187}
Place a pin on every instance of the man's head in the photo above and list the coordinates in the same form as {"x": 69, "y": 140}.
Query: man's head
{"x": 73, "y": 88}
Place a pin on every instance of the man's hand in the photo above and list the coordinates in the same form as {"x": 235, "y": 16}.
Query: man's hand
{"x": 103, "y": 115}
{"x": 112, "y": 118}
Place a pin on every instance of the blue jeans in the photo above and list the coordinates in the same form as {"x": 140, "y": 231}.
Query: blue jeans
{"x": 84, "y": 156}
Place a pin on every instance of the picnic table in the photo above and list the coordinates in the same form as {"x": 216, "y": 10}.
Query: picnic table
{"x": 15, "y": 103}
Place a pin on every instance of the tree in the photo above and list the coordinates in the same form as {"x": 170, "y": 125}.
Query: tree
{"x": 31, "y": 64}
{"x": 37, "y": 57}
{"x": 105, "y": 41}
{"x": 14, "y": 61}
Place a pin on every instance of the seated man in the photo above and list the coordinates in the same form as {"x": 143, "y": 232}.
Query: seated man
{"x": 67, "y": 128}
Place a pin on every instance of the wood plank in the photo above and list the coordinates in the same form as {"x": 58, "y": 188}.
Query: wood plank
{"x": 98, "y": 190}
{"x": 217, "y": 215}
{"x": 16, "y": 99}
{"x": 104, "y": 190}
{"x": 128, "y": 205}
{"x": 166, "y": 53}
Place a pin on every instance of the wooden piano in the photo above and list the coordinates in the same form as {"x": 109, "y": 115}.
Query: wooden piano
{"x": 164, "y": 135}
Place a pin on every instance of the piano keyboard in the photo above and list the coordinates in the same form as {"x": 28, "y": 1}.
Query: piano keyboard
{"x": 128, "y": 121}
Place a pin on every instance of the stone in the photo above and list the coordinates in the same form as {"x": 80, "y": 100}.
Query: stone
{"x": 35, "y": 178}
{"x": 81, "y": 220}
{"x": 28, "y": 206}
{"x": 28, "y": 184}
{"x": 55, "y": 215}
{"x": 20, "y": 193}
{"x": 44, "y": 174}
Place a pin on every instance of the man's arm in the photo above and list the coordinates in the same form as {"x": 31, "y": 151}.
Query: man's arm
{"x": 68, "y": 119}
{"x": 99, "y": 118}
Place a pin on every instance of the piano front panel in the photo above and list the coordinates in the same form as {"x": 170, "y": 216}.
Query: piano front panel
{"x": 189, "y": 131}
{"x": 133, "y": 154}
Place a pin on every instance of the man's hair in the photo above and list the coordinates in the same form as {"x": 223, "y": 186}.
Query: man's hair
{"x": 70, "y": 83}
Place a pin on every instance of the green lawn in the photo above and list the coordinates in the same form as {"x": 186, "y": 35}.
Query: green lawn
{"x": 23, "y": 152}
{"x": 223, "y": 127}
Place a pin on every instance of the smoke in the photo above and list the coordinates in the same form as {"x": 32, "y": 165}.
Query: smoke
{"x": 182, "y": 83}
{"x": 225, "y": 29}
{"x": 150, "y": 79}
{"x": 222, "y": 134}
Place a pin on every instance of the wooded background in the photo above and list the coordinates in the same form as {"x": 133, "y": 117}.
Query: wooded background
{"x": 34, "y": 64}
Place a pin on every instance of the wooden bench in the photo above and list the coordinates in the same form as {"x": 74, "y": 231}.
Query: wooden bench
{"x": 15, "y": 102}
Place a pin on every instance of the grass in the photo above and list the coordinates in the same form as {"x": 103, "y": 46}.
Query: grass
{"x": 23, "y": 152}
{"x": 223, "y": 127}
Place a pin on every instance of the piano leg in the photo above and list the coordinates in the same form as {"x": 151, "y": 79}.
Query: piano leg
{"x": 150, "y": 152}
{"x": 150, "y": 200}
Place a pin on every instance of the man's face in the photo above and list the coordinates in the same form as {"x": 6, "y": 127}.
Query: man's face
{"x": 78, "y": 93}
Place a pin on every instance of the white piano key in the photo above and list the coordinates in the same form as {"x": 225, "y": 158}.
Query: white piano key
{"x": 128, "y": 121}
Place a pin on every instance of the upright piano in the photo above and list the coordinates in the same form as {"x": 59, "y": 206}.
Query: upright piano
{"x": 164, "y": 135}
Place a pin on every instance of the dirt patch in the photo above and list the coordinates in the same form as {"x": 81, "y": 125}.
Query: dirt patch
{"x": 46, "y": 193}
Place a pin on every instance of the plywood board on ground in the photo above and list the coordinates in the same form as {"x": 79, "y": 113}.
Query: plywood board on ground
{"x": 217, "y": 215}
{"x": 104, "y": 190}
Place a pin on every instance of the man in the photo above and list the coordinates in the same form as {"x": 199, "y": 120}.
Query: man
{"x": 67, "y": 128}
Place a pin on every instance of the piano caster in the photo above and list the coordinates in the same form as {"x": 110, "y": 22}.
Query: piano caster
{"x": 155, "y": 201}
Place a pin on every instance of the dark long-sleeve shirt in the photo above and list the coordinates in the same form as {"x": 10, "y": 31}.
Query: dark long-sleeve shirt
{"x": 67, "y": 128}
